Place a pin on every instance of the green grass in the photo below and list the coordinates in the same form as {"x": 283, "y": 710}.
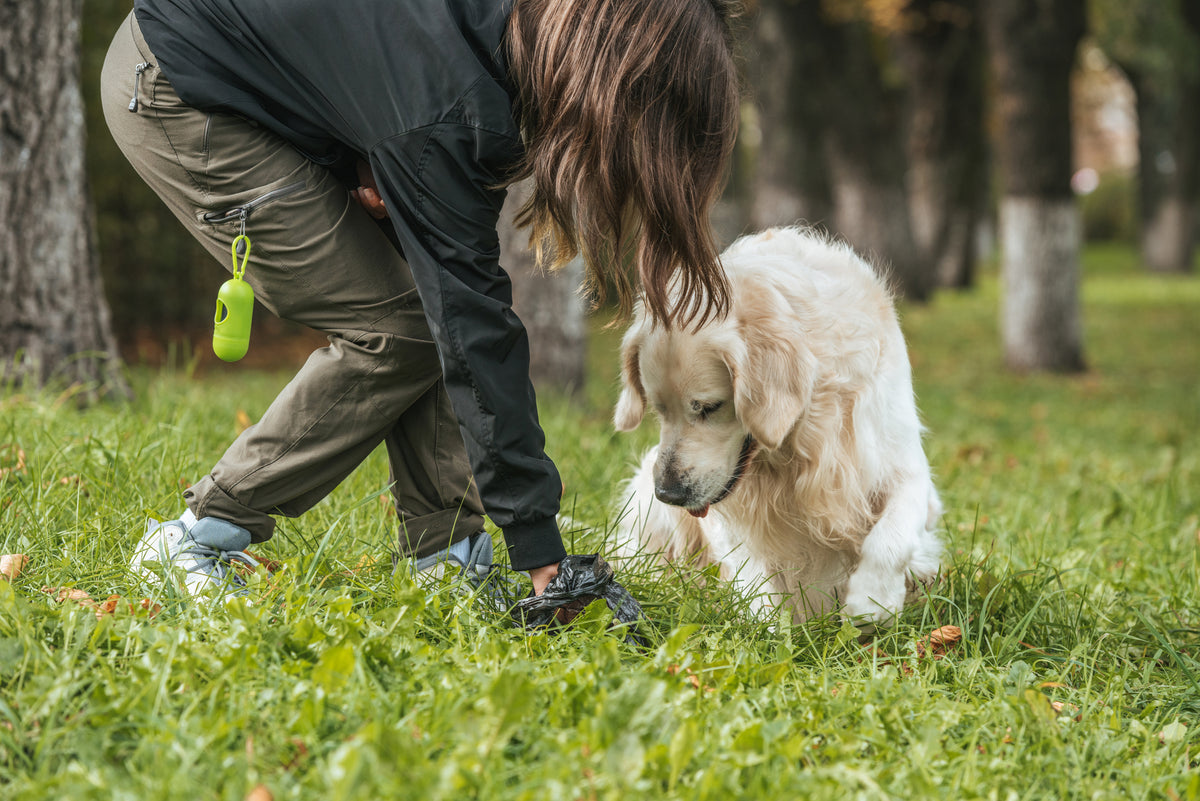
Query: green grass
{"x": 1072, "y": 525}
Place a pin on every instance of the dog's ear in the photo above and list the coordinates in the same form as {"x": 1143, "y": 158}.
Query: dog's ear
{"x": 631, "y": 405}
{"x": 773, "y": 372}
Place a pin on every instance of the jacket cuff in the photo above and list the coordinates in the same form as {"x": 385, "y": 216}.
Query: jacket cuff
{"x": 532, "y": 545}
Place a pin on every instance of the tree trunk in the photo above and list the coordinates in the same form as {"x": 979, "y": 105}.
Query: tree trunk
{"x": 1032, "y": 46}
{"x": 791, "y": 183}
{"x": 549, "y": 305}
{"x": 833, "y": 136}
{"x": 939, "y": 47}
{"x": 54, "y": 321}
{"x": 872, "y": 214}
{"x": 1167, "y": 122}
{"x": 1040, "y": 241}
{"x": 864, "y": 144}
{"x": 152, "y": 267}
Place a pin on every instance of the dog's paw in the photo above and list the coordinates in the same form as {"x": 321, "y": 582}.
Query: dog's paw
{"x": 918, "y": 582}
{"x": 874, "y": 598}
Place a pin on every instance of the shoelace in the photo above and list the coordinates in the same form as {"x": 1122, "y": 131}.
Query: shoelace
{"x": 220, "y": 558}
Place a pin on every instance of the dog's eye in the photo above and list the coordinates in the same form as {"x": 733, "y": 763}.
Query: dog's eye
{"x": 707, "y": 409}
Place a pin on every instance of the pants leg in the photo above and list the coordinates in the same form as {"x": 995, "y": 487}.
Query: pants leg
{"x": 317, "y": 259}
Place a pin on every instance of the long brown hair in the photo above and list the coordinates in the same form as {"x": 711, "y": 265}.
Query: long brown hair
{"x": 629, "y": 110}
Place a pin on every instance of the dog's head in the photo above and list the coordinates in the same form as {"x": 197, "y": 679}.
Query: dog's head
{"x": 721, "y": 393}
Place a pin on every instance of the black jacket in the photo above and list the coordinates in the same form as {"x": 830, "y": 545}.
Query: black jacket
{"x": 420, "y": 89}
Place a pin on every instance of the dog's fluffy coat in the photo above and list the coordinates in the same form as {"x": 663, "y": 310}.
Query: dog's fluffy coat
{"x": 790, "y": 450}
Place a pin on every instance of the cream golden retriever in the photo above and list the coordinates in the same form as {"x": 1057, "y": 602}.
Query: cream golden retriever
{"x": 790, "y": 450}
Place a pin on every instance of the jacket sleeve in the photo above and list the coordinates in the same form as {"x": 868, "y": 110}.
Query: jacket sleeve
{"x": 438, "y": 183}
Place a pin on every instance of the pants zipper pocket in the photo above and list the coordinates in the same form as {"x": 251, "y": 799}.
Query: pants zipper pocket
{"x": 243, "y": 211}
{"x": 138, "y": 69}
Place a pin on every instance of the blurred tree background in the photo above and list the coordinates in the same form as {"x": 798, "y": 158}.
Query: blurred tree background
{"x": 907, "y": 127}
{"x": 54, "y": 322}
{"x": 1154, "y": 43}
{"x": 159, "y": 281}
{"x": 161, "y": 285}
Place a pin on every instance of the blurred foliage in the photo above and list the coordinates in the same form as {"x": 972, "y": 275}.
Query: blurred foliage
{"x": 1110, "y": 212}
{"x": 898, "y": 16}
{"x": 884, "y": 15}
{"x": 1149, "y": 36}
{"x": 154, "y": 272}
{"x": 160, "y": 282}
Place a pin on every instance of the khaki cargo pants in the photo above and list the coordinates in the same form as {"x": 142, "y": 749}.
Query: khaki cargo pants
{"x": 319, "y": 259}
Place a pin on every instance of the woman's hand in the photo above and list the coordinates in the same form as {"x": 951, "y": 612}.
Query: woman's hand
{"x": 367, "y": 194}
{"x": 541, "y": 576}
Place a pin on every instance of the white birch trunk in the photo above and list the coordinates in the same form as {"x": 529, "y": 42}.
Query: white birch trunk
{"x": 1040, "y": 318}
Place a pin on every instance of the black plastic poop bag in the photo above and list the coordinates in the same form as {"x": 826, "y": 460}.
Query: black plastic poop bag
{"x": 580, "y": 581}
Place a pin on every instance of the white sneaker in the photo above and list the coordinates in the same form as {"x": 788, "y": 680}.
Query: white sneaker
{"x": 206, "y": 550}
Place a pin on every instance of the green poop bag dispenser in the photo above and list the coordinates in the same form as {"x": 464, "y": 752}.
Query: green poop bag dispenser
{"x": 235, "y": 307}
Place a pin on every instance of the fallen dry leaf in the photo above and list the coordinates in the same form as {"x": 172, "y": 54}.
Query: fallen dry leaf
{"x": 690, "y": 677}
{"x": 150, "y": 607}
{"x": 939, "y": 641}
{"x": 272, "y": 565}
{"x": 260, "y": 793}
{"x": 108, "y": 606}
{"x": 61, "y": 594}
{"x": 67, "y": 481}
{"x": 1067, "y": 709}
{"x": 112, "y": 605}
{"x": 945, "y": 636}
{"x": 11, "y": 565}
{"x": 365, "y": 562}
{"x": 935, "y": 644}
{"x": 12, "y": 459}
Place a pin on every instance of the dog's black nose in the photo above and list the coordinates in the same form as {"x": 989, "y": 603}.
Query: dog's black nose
{"x": 674, "y": 494}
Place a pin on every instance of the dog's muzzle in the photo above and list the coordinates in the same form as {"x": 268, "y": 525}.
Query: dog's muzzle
{"x": 676, "y": 495}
